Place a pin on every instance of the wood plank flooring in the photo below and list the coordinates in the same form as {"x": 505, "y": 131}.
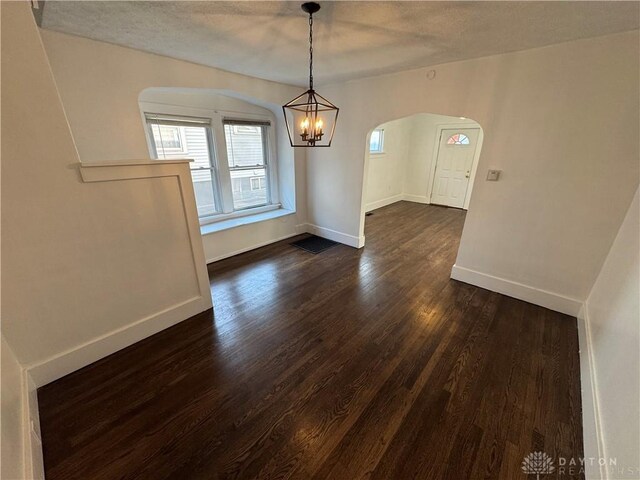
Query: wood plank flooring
{"x": 350, "y": 364}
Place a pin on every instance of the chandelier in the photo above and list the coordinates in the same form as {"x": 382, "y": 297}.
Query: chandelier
{"x": 310, "y": 118}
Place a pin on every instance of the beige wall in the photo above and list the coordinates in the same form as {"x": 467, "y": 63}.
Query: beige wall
{"x": 561, "y": 122}
{"x": 612, "y": 312}
{"x": 11, "y": 458}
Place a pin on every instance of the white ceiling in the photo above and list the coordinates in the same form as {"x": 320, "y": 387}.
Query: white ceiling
{"x": 351, "y": 39}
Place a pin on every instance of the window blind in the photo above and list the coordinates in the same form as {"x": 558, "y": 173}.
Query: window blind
{"x": 158, "y": 119}
{"x": 261, "y": 123}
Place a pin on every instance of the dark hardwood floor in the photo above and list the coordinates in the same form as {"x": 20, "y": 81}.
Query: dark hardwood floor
{"x": 349, "y": 364}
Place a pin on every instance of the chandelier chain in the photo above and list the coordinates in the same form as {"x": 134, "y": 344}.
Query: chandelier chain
{"x": 310, "y": 51}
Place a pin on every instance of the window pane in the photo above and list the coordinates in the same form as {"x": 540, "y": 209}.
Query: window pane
{"x": 203, "y": 188}
{"x": 244, "y": 145}
{"x": 192, "y": 142}
{"x": 173, "y": 142}
{"x": 249, "y": 188}
{"x": 375, "y": 144}
{"x": 167, "y": 138}
{"x": 458, "y": 139}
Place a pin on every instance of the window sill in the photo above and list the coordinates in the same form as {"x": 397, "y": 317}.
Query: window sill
{"x": 244, "y": 220}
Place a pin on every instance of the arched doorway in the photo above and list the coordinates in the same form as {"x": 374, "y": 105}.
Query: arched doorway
{"x": 426, "y": 158}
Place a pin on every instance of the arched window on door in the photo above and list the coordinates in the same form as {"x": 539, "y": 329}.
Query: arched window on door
{"x": 458, "y": 139}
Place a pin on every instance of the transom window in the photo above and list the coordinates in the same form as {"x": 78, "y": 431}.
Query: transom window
{"x": 225, "y": 180}
{"x": 376, "y": 143}
{"x": 458, "y": 139}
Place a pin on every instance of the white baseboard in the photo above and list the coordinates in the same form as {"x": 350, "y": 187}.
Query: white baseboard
{"x": 299, "y": 229}
{"x": 73, "y": 359}
{"x": 346, "y": 239}
{"x": 591, "y": 426}
{"x": 351, "y": 240}
{"x": 396, "y": 198}
{"x": 33, "y": 462}
{"x": 416, "y": 198}
{"x": 383, "y": 203}
{"x": 544, "y": 298}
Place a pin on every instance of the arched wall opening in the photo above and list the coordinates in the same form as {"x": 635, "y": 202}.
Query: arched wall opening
{"x": 424, "y": 158}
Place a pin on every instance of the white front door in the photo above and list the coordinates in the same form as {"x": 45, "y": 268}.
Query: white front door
{"x": 453, "y": 166}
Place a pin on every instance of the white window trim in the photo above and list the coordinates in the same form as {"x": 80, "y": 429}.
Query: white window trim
{"x": 183, "y": 121}
{"x": 234, "y": 222}
{"x": 269, "y": 155}
{"x": 219, "y": 153}
{"x": 239, "y": 213}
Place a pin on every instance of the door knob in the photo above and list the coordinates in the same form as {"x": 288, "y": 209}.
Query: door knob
{"x": 467, "y": 174}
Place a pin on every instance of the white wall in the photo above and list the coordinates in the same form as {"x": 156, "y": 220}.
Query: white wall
{"x": 385, "y": 176}
{"x": 611, "y": 341}
{"x": 423, "y": 142}
{"x": 404, "y": 170}
{"x": 83, "y": 263}
{"x": 561, "y": 122}
{"x": 99, "y": 84}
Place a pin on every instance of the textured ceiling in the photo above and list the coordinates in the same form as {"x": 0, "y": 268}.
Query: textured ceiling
{"x": 351, "y": 39}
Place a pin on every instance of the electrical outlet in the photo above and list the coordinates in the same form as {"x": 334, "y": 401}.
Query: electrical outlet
{"x": 493, "y": 175}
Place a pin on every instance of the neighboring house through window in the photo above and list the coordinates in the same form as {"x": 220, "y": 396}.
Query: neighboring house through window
{"x": 258, "y": 183}
{"x": 227, "y": 178}
{"x": 170, "y": 139}
{"x": 247, "y": 161}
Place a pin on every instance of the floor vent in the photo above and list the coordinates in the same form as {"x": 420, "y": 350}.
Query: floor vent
{"x": 314, "y": 244}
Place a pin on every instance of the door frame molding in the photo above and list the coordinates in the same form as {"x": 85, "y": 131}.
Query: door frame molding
{"x": 474, "y": 164}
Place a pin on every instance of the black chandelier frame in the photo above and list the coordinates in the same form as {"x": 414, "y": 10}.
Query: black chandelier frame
{"x": 311, "y": 103}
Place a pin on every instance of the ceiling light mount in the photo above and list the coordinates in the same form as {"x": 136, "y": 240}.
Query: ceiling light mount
{"x": 310, "y": 115}
{"x": 310, "y": 7}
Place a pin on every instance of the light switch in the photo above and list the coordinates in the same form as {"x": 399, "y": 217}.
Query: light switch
{"x": 493, "y": 175}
